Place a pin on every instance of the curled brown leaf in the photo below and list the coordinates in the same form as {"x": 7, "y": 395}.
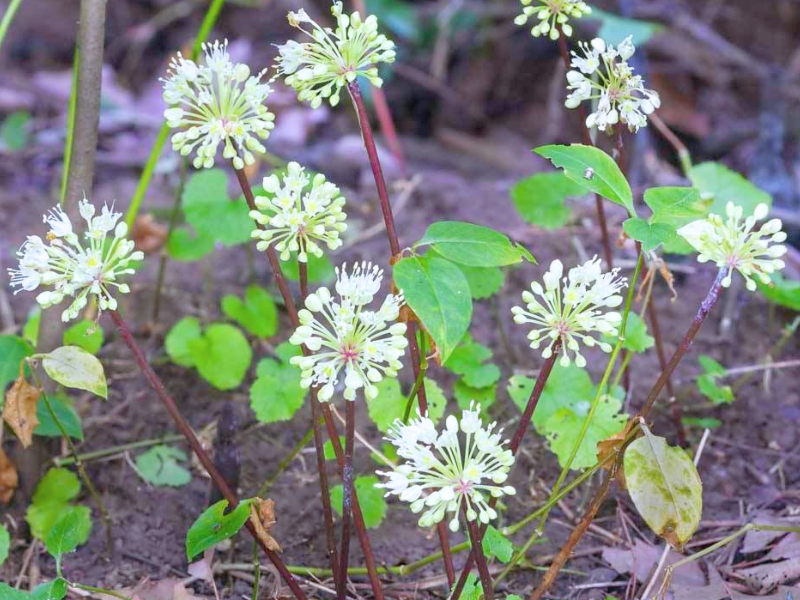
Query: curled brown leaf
{"x": 8, "y": 478}
{"x": 262, "y": 516}
{"x": 20, "y": 409}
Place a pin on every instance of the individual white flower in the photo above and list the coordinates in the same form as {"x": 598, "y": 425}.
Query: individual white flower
{"x": 735, "y": 244}
{"x": 217, "y": 102}
{"x": 344, "y": 336}
{"x": 444, "y": 471}
{"x": 572, "y": 308}
{"x": 318, "y": 70}
{"x": 601, "y": 73}
{"x": 76, "y": 269}
{"x": 552, "y": 15}
{"x": 297, "y": 218}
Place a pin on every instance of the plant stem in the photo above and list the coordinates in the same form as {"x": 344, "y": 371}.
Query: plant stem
{"x": 209, "y": 20}
{"x": 347, "y": 496}
{"x": 418, "y": 383}
{"x": 11, "y": 10}
{"x": 394, "y": 245}
{"x": 184, "y": 427}
{"x": 98, "y": 590}
{"x": 684, "y": 157}
{"x": 476, "y": 539}
{"x": 62, "y": 462}
{"x": 73, "y": 94}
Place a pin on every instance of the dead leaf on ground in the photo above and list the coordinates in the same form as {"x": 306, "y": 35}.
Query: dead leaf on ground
{"x": 20, "y": 409}
{"x": 9, "y": 479}
{"x": 766, "y": 577}
{"x": 166, "y": 589}
{"x": 148, "y": 234}
{"x": 202, "y": 568}
{"x": 643, "y": 557}
{"x": 757, "y": 540}
{"x": 262, "y": 516}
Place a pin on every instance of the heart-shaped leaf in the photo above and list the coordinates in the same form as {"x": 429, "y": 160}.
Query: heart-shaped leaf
{"x": 222, "y": 356}
{"x": 256, "y": 312}
{"x": 651, "y": 235}
{"x": 212, "y": 213}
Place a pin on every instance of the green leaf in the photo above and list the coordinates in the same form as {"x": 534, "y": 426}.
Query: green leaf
{"x": 484, "y": 282}
{"x": 711, "y": 366}
{"x": 186, "y": 245}
{"x": 68, "y": 532}
{"x": 482, "y": 376}
{"x": 327, "y": 448}
{"x": 784, "y": 292}
{"x": 178, "y": 339}
{"x": 675, "y": 206}
{"x": 651, "y": 235}
{"x": 214, "y": 526}
{"x": 467, "y": 356}
{"x": 370, "y": 499}
{"x": 665, "y": 487}
{"x": 276, "y": 394}
{"x": 66, "y": 415}
{"x": 52, "y": 590}
{"x": 718, "y": 394}
{"x": 85, "y": 334}
{"x": 473, "y": 245}
{"x": 57, "y": 486}
{"x": 390, "y": 403}
{"x": 723, "y": 185}
{"x": 5, "y": 545}
{"x": 159, "y": 466}
{"x": 438, "y": 293}
{"x": 257, "y": 313}
{"x": 437, "y": 401}
{"x": 74, "y": 367}
{"x": 464, "y": 394}
{"x": 592, "y": 169}
{"x": 14, "y": 130}
{"x": 614, "y": 29}
{"x": 43, "y": 517}
{"x": 496, "y": 545}
{"x": 540, "y": 199}
{"x": 222, "y": 356}
{"x": 636, "y": 337}
{"x": 211, "y": 212}
{"x": 320, "y": 269}
{"x": 397, "y": 16}
{"x": 13, "y": 350}
{"x": 30, "y": 331}
{"x": 472, "y": 588}
{"x": 702, "y": 422}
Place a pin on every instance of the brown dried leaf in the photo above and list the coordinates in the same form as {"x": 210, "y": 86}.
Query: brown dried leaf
{"x": 8, "y": 478}
{"x": 613, "y": 445}
{"x": 147, "y": 234}
{"x": 20, "y": 410}
{"x": 262, "y": 516}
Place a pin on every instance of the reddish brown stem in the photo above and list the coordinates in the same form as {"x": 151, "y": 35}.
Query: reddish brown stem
{"x": 675, "y": 406}
{"x": 394, "y": 246}
{"x": 347, "y": 495}
{"x": 476, "y": 541}
{"x": 184, "y": 427}
{"x": 302, "y": 269}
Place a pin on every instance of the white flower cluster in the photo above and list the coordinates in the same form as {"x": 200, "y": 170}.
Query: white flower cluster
{"x": 442, "y": 472}
{"x": 572, "y": 309}
{"x": 345, "y": 336}
{"x": 318, "y": 70}
{"x": 295, "y": 218}
{"x": 217, "y": 102}
{"x": 736, "y": 244}
{"x": 553, "y": 16}
{"x": 602, "y": 74}
{"x": 75, "y": 269}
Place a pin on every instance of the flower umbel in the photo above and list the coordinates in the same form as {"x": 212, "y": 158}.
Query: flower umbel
{"x": 217, "y": 102}
{"x": 442, "y": 472}
{"x": 552, "y": 15}
{"x": 736, "y": 244}
{"x": 602, "y": 73}
{"x": 318, "y": 70}
{"x": 73, "y": 268}
{"x": 297, "y": 218}
{"x": 345, "y": 336}
{"x": 572, "y": 308}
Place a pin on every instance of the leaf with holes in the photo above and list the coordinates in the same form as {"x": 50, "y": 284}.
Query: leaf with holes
{"x": 160, "y": 466}
{"x": 214, "y": 526}
{"x": 592, "y": 169}
{"x": 473, "y": 245}
{"x": 256, "y": 312}
{"x": 370, "y": 498}
{"x": 651, "y": 235}
{"x": 665, "y": 487}
{"x": 438, "y": 293}
{"x": 74, "y": 367}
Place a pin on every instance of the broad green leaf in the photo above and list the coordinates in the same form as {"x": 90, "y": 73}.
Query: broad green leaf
{"x": 257, "y": 312}
{"x": 482, "y": 376}
{"x": 467, "y": 356}
{"x": 540, "y": 199}
{"x": 711, "y": 366}
{"x": 178, "y": 339}
{"x": 592, "y": 169}
{"x": 437, "y": 401}
{"x": 66, "y": 415}
{"x": 320, "y": 269}
{"x": 276, "y": 394}
{"x": 74, "y": 367}
{"x": 636, "y": 337}
{"x": 212, "y": 213}
{"x": 5, "y": 545}
{"x": 472, "y": 588}
{"x": 718, "y": 394}
{"x": 222, "y": 356}
{"x": 214, "y": 526}
{"x": 13, "y": 350}
{"x": 186, "y": 245}
{"x": 675, "y": 206}
{"x": 439, "y": 294}
{"x": 327, "y": 448}
{"x": 14, "y": 130}
{"x": 370, "y": 499}
{"x": 85, "y": 334}
{"x": 651, "y": 235}
{"x": 42, "y": 517}
{"x": 398, "y": 16}
{"x": 30, "y": 331}
{"x": 68, "y": 532}
{"x": 52, "y": 590}
{"x": 464, "y": 394}
{"x": 484, "y": 282}
{"x": 614, "y": 28}
{"x": 51, "y": 501}
{"x": 785, "y": 292}
{"x": 159, "y": 466}
{"x": 665, "y": 487}
{"x": 390, "y": 404}
{"x": 473, "y": 245}
{"x": 496, "y": 545}
{"x": 722, "y": 185}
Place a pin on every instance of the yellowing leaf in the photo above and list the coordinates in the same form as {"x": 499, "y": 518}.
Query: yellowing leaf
{"x": 74, "y": 367}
